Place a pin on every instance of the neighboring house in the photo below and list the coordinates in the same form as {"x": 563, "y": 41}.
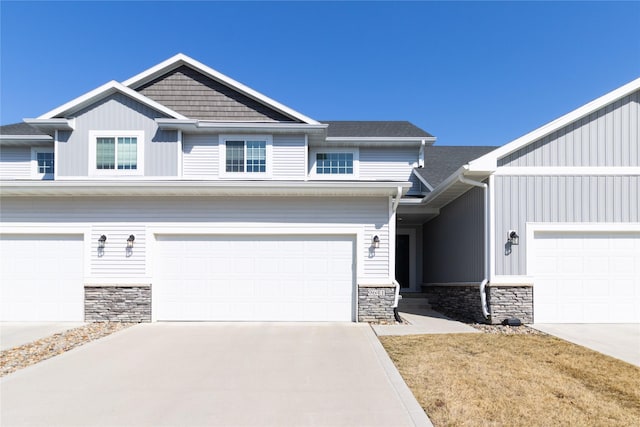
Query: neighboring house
{"x": 181, "y": 194}
{"x": 545, "y": 228}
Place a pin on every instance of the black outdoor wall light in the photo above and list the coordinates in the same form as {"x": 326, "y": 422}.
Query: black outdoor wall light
{"x": 130, "y": 241}
{"x": 101, "y": 241}
{"x": 512, "y": 237}
{"x": 375, "y": 242}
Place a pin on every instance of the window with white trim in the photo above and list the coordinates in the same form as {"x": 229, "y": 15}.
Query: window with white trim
{"x": 334, "y": 163}
{"x": 116, "y": 152}
{"x": 245, "y": 156}
{"x": 43, "y": 163}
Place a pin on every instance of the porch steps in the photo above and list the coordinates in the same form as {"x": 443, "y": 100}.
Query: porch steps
{"x": 413, "y": 302}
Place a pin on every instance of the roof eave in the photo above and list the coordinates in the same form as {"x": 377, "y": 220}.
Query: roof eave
{"x": 204, "y": 125}
{"x": 145, "y": 188}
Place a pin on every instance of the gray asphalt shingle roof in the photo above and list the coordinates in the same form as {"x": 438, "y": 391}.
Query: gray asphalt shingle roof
{"x": 19, "y": 129}
{"x": 441, "y": 162}
{"x": 374, "y": 129}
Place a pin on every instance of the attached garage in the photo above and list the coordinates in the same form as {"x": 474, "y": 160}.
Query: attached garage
{"x": 41, "y": 278}
{"x": 586, "y": 277}
{"x": 254, "y": 278}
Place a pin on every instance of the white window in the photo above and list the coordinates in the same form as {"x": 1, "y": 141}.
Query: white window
{"x": 334, "y": 163}
{"x": 42, "y": 163}
{"x": 116, "y": 152}
{"x": 245, "y": 156}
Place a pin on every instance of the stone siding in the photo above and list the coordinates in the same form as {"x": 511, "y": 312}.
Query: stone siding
{"x": 459, "y": 302}
{"x": 510, "y": 301}
{"x": 462, "y": 302}
{"x": 375, "y": 304}
{"x": 117, "y": 304}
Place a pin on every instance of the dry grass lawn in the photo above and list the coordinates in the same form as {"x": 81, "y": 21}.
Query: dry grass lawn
{"x": 513, "y": 380}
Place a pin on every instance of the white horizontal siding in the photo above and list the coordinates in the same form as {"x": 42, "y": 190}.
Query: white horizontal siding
{"x": 200, "y": 156}
{"x": 288, "y": 157}
{"x": 15, "y": 163}
{"x": 115, "y": 260}
{"x": 387, "y": 164}
{"x": 118, "y": 217}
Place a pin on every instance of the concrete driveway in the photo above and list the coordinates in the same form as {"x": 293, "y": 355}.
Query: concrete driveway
{"x": 621, "y": 341}
{"x": 216, "y": 374}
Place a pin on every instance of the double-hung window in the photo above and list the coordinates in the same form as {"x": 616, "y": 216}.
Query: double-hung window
{"x": 246, "y": 156}
{"x": 116, "y": 152}
{"x": 334, "y": 163}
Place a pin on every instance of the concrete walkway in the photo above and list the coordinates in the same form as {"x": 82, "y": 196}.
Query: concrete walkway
{"x": 621, "y": 341}
{"x": 216, "y": 374}
{"x": 14, "y": 334}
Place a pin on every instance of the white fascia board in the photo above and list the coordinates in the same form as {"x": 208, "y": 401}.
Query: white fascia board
{"x": 142, "y": 188}
{"x": 47, "y": 125}
{"x": 182, "y": 59}
{"x": 104, "y": 91}
{"x": 568, "y": 171}
{"x": 489, "y": 161}
{"x": 26, "y": 138}
{"x": 204, "y": 125}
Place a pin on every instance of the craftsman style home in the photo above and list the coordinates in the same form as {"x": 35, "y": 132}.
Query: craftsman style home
{"x": 181, "y": 194}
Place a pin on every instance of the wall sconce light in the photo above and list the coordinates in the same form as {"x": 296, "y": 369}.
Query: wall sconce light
{"x": 101, "y": 241}
{"x": 375, "y": 242}
{"x": 130, "y": 241}
{"x": 512, "y": 237}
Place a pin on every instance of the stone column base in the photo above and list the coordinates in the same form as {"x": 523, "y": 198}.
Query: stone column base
{"x": 375, "y": 304}
{"x": 117, "y": 303}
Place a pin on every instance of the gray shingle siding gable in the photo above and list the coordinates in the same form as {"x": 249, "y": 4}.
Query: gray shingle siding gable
{"x": 197, "y": 96}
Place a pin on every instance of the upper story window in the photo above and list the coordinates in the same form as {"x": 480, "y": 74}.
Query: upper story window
{"x": 43, "y": 163}
{"x": 245, "y": 157}
{"x": 334, "y": 163}
{"x": 116, "y": 152}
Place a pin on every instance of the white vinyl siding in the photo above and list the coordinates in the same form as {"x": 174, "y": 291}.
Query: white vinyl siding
{"x": 388, "y": 163}
{"x": 118, "y": 217}
{"x": 15, "y": 162}
{"x": 200, "y": 156}
{"x": 289, "y": 157}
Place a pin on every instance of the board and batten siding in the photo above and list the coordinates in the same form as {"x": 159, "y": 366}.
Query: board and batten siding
{"x": 454, "y": 241}
{"x": 117, "y": 217}
{"x": 197, "y": 96}
{"x": 607, "y": 137}
{"x": 592, "y": 199}
{"x": 15, "y": 162}
{"x": 118, "y": 113}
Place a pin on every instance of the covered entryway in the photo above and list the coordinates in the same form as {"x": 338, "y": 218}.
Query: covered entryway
{"x": 586, "y": 277}
{"x": 251, "y": 278}
{"x": 41, "y": 278}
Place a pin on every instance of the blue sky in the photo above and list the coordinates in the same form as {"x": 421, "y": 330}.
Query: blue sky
{"x": 471, "y": 73}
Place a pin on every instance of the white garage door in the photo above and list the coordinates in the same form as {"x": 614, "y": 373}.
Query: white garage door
{"x": 41, "y": 278}
{"x": 587, "y": 277}
{"x": 301, "y": 278}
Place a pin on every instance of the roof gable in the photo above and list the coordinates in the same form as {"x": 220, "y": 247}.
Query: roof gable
{"x": 145, "y": 80}
{"x": 489, "y": 162}
{"x": 441, "y": 162}
{"x": 99, "y": 94}
{"x": 198, "y": 96}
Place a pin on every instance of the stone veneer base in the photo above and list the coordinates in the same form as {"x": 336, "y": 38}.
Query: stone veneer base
{"x": 463, "y": 302}
{"x": 113, "y": 303}
{"x": 375, "y": 304}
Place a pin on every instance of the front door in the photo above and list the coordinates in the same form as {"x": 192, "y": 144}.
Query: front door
{"x": 402, "y": 260}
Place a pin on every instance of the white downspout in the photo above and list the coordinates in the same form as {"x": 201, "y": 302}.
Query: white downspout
{"x": 394, "y": 208}
{"x": 483, "y": 284}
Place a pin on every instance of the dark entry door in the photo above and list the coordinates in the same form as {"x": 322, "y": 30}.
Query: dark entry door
{"x": 402, "y": 260}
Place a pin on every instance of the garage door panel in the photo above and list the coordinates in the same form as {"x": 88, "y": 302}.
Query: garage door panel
{"x": 41, "y": 278}
{"x": 254, "y": 278}
{"x": 595, "y": 278}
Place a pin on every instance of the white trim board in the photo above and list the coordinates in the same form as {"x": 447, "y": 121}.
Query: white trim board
{"x": 567, "y": 171}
